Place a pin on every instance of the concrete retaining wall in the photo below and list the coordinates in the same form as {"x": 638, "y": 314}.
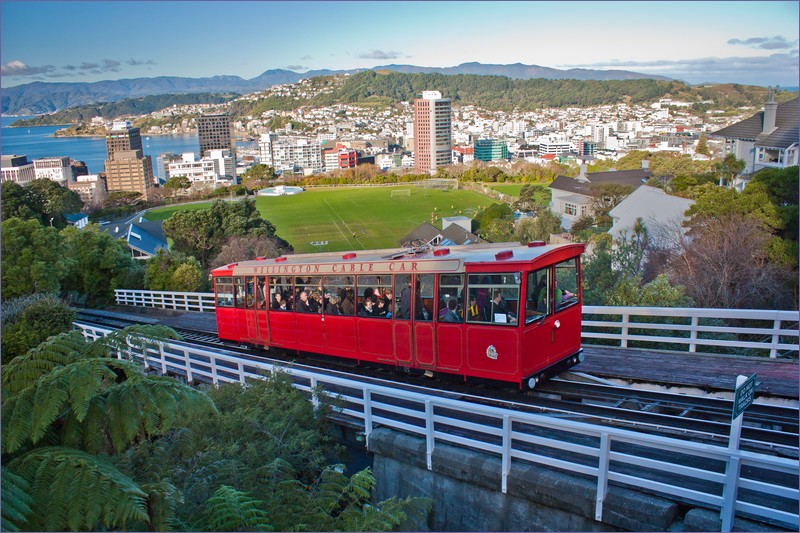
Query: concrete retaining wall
{"x": 466, "y": 489}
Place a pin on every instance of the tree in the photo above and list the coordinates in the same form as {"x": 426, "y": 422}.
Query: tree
{"x": 202, "y": 233}
{"x": 52, "y": 201}
{"x": 485, "y": 217}
{"x": 178, "y": 183}
{"x": 15, "y": 203}
{"x": 174, "y": 271}
{"x": 540, "y": 228}
{"x": 97, "y": 263}
{"x": 257, "y": 177}
{"x": 69, "y": 409}
{"x": 702, "y": 146}
{"x": 498, "y": 230}
{"x": 728, "y": 169}
{"x": 33, "y": 258}
{"x": 118, "y": 199}
{"x": 725, "y": 263}
{"x": 605, "y": 197}
{"x": 247, "y": 248}
{"x": 29, "y": 320}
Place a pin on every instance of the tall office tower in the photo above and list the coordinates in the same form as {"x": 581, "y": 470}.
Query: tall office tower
{"x": 214, "y": 133}
{"x": 122, "y": 137}
{"x": 433, "y": 144}
{"x": 127, "y": 168}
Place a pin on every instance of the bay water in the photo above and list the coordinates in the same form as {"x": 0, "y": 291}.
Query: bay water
{"x": 38, "y": 141}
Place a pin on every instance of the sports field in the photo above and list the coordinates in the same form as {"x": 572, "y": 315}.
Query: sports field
{"x": 354, "y": 218}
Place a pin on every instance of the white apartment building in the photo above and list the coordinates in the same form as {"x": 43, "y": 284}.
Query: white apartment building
{"x": 90, "y": 187}
{"x": 56, "y": 169}
{"x": 291, "y": 153}
{"x": 226, "y": 164}
{"x": 202, "y": 173}
{"x": 331, "y": 160}
{"x": 17, "y": 168}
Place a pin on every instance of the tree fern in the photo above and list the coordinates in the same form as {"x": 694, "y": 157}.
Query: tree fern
{"x": 231, "y": 510}
{"x": 73, "y": 490}
{"x": 57, "y": 351}
{"x": 16, "y": 501}
{"x": 131, "y": 340}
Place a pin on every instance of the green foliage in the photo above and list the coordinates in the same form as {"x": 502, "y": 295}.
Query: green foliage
{"x": 540, "y": 228}
{"x": 201, "y": 233}
{"x": 178, "y": 183}
{"x": 126, "y": 107}
{"x": 33, "y": 258}
{"x": 97, "y": 263}
{"x": 16, "y": 499}
{"x": 257, "y": 177}
{"x": 232, "y": 510}
{"x": 495, "y": 211}
{"x": 498, "y": 230}
{"x": 41, "y": 200}
{"x": 174, "y": 271}
{"x": 629, "y": 291}
{"x": 702, "y": 146}
{"x": 729, "y": 168}
{"x": 605, "y": 197}
{"x": 67, "y": 408}
{"x": 29, "y": 321}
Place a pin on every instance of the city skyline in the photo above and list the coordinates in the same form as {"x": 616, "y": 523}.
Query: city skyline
{"x": 742, "y": 42}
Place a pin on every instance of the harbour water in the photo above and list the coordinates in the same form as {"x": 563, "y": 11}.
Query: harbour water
{"x": 39, "y": 142}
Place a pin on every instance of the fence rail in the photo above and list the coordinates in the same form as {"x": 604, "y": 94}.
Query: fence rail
{"x": 665, "y": 466}
{"x": 754, "y": 330}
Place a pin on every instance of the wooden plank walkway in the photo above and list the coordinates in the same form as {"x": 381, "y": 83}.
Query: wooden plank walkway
{"x": 776, "y": 377}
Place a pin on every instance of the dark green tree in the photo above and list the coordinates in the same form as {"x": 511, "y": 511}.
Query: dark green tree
{"x": 33, "y": 258}
{"x": 15, "y": 203}
{"x": 52, "y": 201}
{"x": 29, "y": 320}
{"x": 257, "y": 177}
{"x": 728, "y": 169}
{"x": 174, "y": 271}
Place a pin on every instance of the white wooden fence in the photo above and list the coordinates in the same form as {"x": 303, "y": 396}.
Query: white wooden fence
{"x": 775, "y": 332}
{"x": 665, "y": 466}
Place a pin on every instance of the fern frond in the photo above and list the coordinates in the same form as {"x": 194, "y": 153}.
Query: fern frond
{"x": 16, "y": 501}
{"x": 57, "y": 351}
{"x": 162, "y": 499}
{"x": 74, "y": 490}
{"x": 130, "y": 340}
{"x": 231, "y": 510}
{"x": 150, "y": 405}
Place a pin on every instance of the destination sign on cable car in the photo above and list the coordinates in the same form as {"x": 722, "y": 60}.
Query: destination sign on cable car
{"x": 354, "y": 267}
{"x": 744, "y": 396}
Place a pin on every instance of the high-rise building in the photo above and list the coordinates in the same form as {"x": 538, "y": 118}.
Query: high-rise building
{"x": 122, "y": 136}
{"x": 433, "y": 143}
{"x": 214, "y": 133}
{"x": 127, "y": 168}
{"x": 291, "y": 154}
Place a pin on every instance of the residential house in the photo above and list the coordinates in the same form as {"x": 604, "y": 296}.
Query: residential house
{"x": 79, "y": 220}
{"x": 143, "y": 238}
{"x": 453, "y": 234}
{"x": 661, "y": 213}
{"x": 768, "y": 139}
{"x": 572, "y": 197}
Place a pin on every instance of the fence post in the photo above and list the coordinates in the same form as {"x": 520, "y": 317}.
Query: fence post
{"x": 776, "y": 338}
{"x": 240, "y": 367}
{"x": 624, "y": 332}
{"x": 367, "y": 416}
{"x": 506, "y": 451}
{"x": 214, "y": 378}
{"x": 693, "y": 334}
{"x": 188, "y": 366}
{"x": 314, "y": 399}
{"x": 429, "y": 440}
{"x": 602, "y": 475}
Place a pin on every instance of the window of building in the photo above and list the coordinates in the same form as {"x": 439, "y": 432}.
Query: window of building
{"x": 496, "y": 297}
{"x": 571, "y": 209}
{"x": 224, "y": 289}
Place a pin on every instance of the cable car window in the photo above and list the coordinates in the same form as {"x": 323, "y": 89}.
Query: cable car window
{"x": 250, "y": 292}
{"x": 423, "y": 308}
{"x": 496, "y": 296}
{"x": 280, "y": 292}
{"x": 339, "y": 295}
{"x": 566, "y": 284}
{"x": 536, "y": 302}
{"x": 261, "y": 292}
{"x": 238, "y": 292}
{"x": 224, "y": 288}
{"x": 372, "y": 298}
{"x": 451, "y": 298}
{"x": 308, "y": 294}
{"x": 402, "y": 301}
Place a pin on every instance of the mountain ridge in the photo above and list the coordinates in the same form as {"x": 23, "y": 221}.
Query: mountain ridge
{"x": 46, "y": 97}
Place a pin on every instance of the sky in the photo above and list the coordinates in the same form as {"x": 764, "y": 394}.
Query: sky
{"x": 64, "y": 41}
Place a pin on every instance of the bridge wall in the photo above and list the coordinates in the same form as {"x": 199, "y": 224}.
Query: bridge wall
{"x": 465, "y": 487}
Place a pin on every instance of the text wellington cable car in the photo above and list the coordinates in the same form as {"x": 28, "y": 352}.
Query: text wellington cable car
{"x": 487, "y": 311}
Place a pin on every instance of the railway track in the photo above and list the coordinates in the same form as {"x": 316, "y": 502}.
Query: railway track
{"x": 767, "y": 428}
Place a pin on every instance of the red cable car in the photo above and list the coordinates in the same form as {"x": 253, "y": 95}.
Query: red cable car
{"x": 508, "y": 313}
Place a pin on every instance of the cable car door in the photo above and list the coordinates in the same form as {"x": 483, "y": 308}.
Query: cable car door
{"x": 422, "y": 322}
{"x": 401, "y": 322}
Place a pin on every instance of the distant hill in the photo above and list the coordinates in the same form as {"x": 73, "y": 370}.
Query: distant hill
{"x": 45, "y": 97}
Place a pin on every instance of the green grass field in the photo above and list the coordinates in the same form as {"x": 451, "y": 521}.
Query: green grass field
{"x": 353, "y": 218}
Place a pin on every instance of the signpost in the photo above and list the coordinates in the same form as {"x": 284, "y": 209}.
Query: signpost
{"x": 745, "y": 392}
{"x": 319, "y": 244}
